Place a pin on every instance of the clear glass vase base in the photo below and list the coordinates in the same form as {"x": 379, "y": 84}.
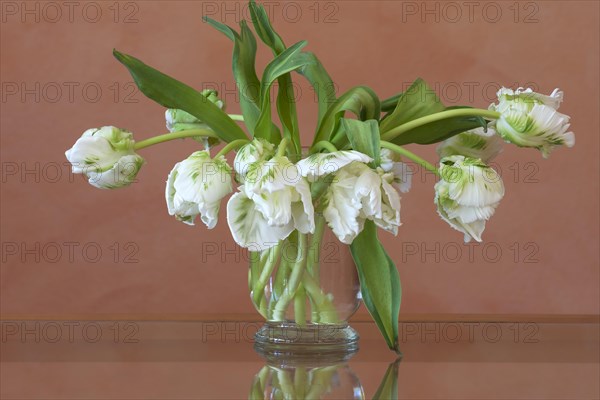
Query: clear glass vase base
{"x": 290, "y": 339}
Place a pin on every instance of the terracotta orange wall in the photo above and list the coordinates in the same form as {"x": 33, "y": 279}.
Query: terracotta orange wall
{"x": 541, "y": 250}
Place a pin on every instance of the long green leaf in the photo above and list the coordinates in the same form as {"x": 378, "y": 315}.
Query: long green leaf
{"x": 264, "y": 29}
{"x": 224, "y": 29}
{"x": 316, "y": 74}
{"x": 171, "y": 93}
{"x": 379, "y": 282}
{"x": 244, "y": 71}
{"x": 364, "y": 137}
{"x": 418, "y": 101}
{"x": 284, "y": 63}
{"x": 286, "y": 106}
{"x": 360, "y": 100}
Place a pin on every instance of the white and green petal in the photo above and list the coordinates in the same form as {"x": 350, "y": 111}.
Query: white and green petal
{"x": 321, "y": 164}
{"x": 122, "y": 173}
{"x": 303, "y": 211}
{"x": 467, "y": 194}
{"x": 255, "y": 151}
{"x": 196, "y": 186}
{"x": 527, "y": 98}
{"x": 542, "y": 128}
{"x": 476, "y": 143}
{"x": 390, "y": 207}
{"x": 185, "y": 211}
{"x": 358, "y": 193}
{"x": 342, "y": 210}
{"x": 249, "y": 227}
{"x": 402, "y": 172}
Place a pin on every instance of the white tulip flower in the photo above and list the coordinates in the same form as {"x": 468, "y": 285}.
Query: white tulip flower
{"x": 106, "y": 157}
{"x": 358, "y": 193}
{"x": 274, "y": 201}
{"x": 467, "y": 194}
{"x": 530, "y": 119}
{"x": 255, "y": 151}
{"x": 476, "y": 143}
{"x": 196, "y": 186}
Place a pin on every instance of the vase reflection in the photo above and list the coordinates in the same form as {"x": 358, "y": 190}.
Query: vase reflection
{"x": 329, "y": 377}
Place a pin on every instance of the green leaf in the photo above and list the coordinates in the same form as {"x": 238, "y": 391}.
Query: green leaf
{"x": 379, "y": 282}
{"x": 226, "y": 30}
{"x": 264, "y": 29}
{"x": 286, "y": 106}
{"x": 418, "y": 101}
{"x": 316, "y": 74}
{"x": 388, "y": 388}
{"x": 244, "y": 71}
{"x": 284, "y": 63}
{"x": 171, "y": 93}
{"x": 360, "y": 100}
{"x": 390, "y": 103}
{"x": 312, "y": 70}
{"x": 364, "y": 137}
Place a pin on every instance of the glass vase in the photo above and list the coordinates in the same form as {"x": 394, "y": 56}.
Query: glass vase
{"x": 306, "y": 288}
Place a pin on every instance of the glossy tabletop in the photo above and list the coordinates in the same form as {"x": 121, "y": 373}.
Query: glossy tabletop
{"x": 216, "y": 360}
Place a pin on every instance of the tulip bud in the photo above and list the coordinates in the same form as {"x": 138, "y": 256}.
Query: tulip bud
{"x": 106, "y": 157}
{"x": 476, "y": 143}
{"x": 179, "y": 120}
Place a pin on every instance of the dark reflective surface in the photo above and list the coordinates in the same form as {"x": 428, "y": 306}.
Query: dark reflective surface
{"x": 217, "y": 360}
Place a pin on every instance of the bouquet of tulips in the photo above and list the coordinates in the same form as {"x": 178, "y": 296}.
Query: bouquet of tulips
{"x": 353, "y": 173}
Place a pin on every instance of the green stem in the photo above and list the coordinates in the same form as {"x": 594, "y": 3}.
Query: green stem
{"x": 258, "y": 291}
{"x": 323, "y": 145}
{"x": 282, "y": 147}
{"x": 300, "y": 306}
{"x": 172, "y": 136}
{"x": 294, "y": 282}
{"x": 324, "y": 310}
{"x": 403, "y": 152}
{"x": 236, "y": 144}
{"x": 315, "y": 248}
{"x": 461, "y": 112}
